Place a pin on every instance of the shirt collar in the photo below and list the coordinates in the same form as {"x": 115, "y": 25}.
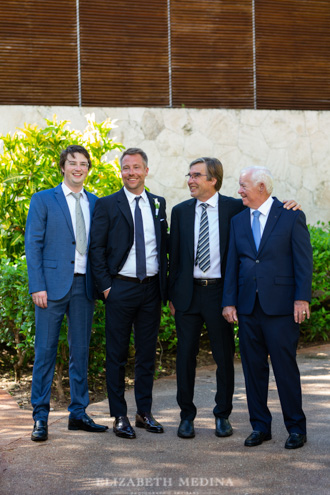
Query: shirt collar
{"x": 131, "y": 197}
{"x": 67, "y": 191}
{"x": 265, "y": 207}
{"x": 212, "y": 201}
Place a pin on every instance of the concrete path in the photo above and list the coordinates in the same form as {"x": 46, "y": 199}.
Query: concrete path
{"x": 84, "y": 463}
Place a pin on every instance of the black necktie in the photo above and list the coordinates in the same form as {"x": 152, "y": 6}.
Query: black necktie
{"x": 140, "y": 248}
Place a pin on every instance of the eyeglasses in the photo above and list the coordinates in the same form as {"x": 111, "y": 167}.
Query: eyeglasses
{"x": 75, "y": 164}
{"x": 195, "y": 176}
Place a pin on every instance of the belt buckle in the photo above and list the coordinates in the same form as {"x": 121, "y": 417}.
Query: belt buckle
{"x": 204, "y": 283}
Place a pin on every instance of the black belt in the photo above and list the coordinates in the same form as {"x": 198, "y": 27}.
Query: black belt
{"x": 136, "y": 280}
{"x": 79, "y": 274}
{"x": 204, "y": 282}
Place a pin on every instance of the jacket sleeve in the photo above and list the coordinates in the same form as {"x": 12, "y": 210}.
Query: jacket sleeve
{"x": 302, "y": 259}
{"x": 36, "y": 225}
{"x": 230, "y": 290}
{"x": 98, "y": 247}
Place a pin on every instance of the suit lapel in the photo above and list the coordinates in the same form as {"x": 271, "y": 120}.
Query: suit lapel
{"x": 274, "y": 215}
{"x": 223, "y": 224}
{"x": 60, "y": 197}
{"x": 246, "y": 219}
{"x": 124, "y": 207}
{"x": 156, "y": 220}
{"x": 190, "y": 222}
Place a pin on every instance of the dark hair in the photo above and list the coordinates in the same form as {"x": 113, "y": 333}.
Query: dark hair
{"x": 71, "y": 150}
{"x": 135, "y": 151}
{"x": 213, "y": 168}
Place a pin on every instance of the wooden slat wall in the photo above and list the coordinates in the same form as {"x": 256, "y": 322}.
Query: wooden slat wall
{"x": 212, "y": 56}
{"x": 293, "y": 54}
{"x": 124, "y": 53}
{"x": 38, "y": 55}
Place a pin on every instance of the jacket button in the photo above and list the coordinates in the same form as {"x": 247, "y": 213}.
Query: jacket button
{"x": 73, "y": 242}
{"x": 257, "y": 261}
{"x": 72, "y": 262}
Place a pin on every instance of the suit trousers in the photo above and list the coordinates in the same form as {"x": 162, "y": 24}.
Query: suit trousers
{"x": 205, "y": 308}
{"x": 262, "y": 335}
{"x": 131, "y": 305}
{"x": 79, "y": 310}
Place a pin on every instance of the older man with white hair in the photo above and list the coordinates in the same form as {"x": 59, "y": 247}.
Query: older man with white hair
{"x": 267, "y": 290}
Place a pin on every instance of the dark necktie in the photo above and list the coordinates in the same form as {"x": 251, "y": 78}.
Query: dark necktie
{"x": 81, "y": 238}
{"x": 203, "y": 246}
{"x": 256, "y": 228}
{"x": 140, "y": 248}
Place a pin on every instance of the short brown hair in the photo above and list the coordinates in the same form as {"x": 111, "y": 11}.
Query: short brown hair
{"x": 135, "y": 151}
{"x": 214, "y": 169}
{"x": 71, "y": 150}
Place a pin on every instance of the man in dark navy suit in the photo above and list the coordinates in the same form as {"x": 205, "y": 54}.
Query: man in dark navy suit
{"x": 129, "y": 264}
{"x": 267, "y": 290}
{"x": 57, "y": 241}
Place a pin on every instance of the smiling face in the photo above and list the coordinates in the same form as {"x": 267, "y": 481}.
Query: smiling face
{"x": 200, "y": 187}
{"x": 75, "y": 171}
{"x": 134, "y": 173}
{"x": 253, "y": 194}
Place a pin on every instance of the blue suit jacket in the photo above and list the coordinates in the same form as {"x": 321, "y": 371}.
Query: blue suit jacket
{"x": 112, "y": 236}
{"x": 50, "y": 244}
{"x": 282, "y": 268}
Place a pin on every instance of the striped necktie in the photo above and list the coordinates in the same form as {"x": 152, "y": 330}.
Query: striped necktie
{"x": 203, "y": 246}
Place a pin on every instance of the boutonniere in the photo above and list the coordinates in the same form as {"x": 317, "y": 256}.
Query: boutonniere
{"x": 157, "y": 206}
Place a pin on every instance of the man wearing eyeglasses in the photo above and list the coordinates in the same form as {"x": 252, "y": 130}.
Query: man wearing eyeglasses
{"x": 198, "y": 254}
{"x": 56, "y": 242}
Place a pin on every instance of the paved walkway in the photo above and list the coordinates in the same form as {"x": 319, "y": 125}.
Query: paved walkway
{"x": 83, "y": 463}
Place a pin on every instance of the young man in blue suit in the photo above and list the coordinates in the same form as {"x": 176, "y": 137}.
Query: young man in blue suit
{"x": 56, "y": 242}
{"x": 267, "y": 290}
{"x": 129, "y": 263}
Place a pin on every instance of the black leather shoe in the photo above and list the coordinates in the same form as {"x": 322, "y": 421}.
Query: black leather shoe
{"x": 223, "y": 427}
{"x": 295, "y": 441}
{"x": 147, "y": 421}
{"x": 186, "y": 429}
{"x": 85, "y": 423}
{"x": 40, "y": 431}
{"x": 256, "y": 438}
{"x": 122, "y": 427}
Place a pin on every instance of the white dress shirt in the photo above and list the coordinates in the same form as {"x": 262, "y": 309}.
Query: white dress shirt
{"x": 264, "y": 210}
{"x": 129, "y": 269}
{"x": 214, "y": 237}
{"x": 80, "y": 260}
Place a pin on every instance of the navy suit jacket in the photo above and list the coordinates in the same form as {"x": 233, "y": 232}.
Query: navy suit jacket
{"x": 50, "y": 244}
{"x": 182, "y": 246}
{"x": 112, "y": 236}
{"x": 281, "y": 270}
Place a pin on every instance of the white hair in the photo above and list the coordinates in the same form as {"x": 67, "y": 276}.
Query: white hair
{"x": 260, "y": 174}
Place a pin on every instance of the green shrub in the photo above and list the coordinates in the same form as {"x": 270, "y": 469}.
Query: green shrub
{"x": 318, "y": 326}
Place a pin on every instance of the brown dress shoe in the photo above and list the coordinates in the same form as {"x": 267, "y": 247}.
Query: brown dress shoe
{"x": 148, "y": 422}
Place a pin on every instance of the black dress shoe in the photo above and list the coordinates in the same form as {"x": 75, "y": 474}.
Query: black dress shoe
{"x": 186, "y": 429}
{"x": 295, "y": 441}
{"x": 223, "y": 427}
{"x": 85, "y": 423}
{"x": 256, "y": 438}
{"x": 40, "y": 431}
{"x": 122, "y": 427}
{"x": 147, "y": 421}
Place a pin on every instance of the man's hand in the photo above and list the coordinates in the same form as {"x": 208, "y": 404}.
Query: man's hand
{"x": 40, "y": 298}
{"x": 291, "y": 203}
{"x": 301, "y": 311}
{"x": 106, "y": 293}
{"x": 172, "y": 308}
{"x": 230, "y": 314}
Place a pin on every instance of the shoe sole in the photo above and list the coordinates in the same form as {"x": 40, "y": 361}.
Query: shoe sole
{"x": 186, "y": 436}
{"x": 259, "y": 443}
{"x": 76, "y": 428}
{"x": 220, "y": 435}
{"x": 122, "y": 435}
{"x": 141, "y": 425}
{"x": 39, "y": 439}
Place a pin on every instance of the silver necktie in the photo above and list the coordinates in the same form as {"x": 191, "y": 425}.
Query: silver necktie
{"x": 81, "y": 238}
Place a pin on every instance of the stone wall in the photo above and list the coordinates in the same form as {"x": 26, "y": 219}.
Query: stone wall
{"x": 294, "y": 145}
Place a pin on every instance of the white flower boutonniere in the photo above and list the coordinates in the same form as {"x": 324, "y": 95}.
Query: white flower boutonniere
{"x": 157, "y": 206}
